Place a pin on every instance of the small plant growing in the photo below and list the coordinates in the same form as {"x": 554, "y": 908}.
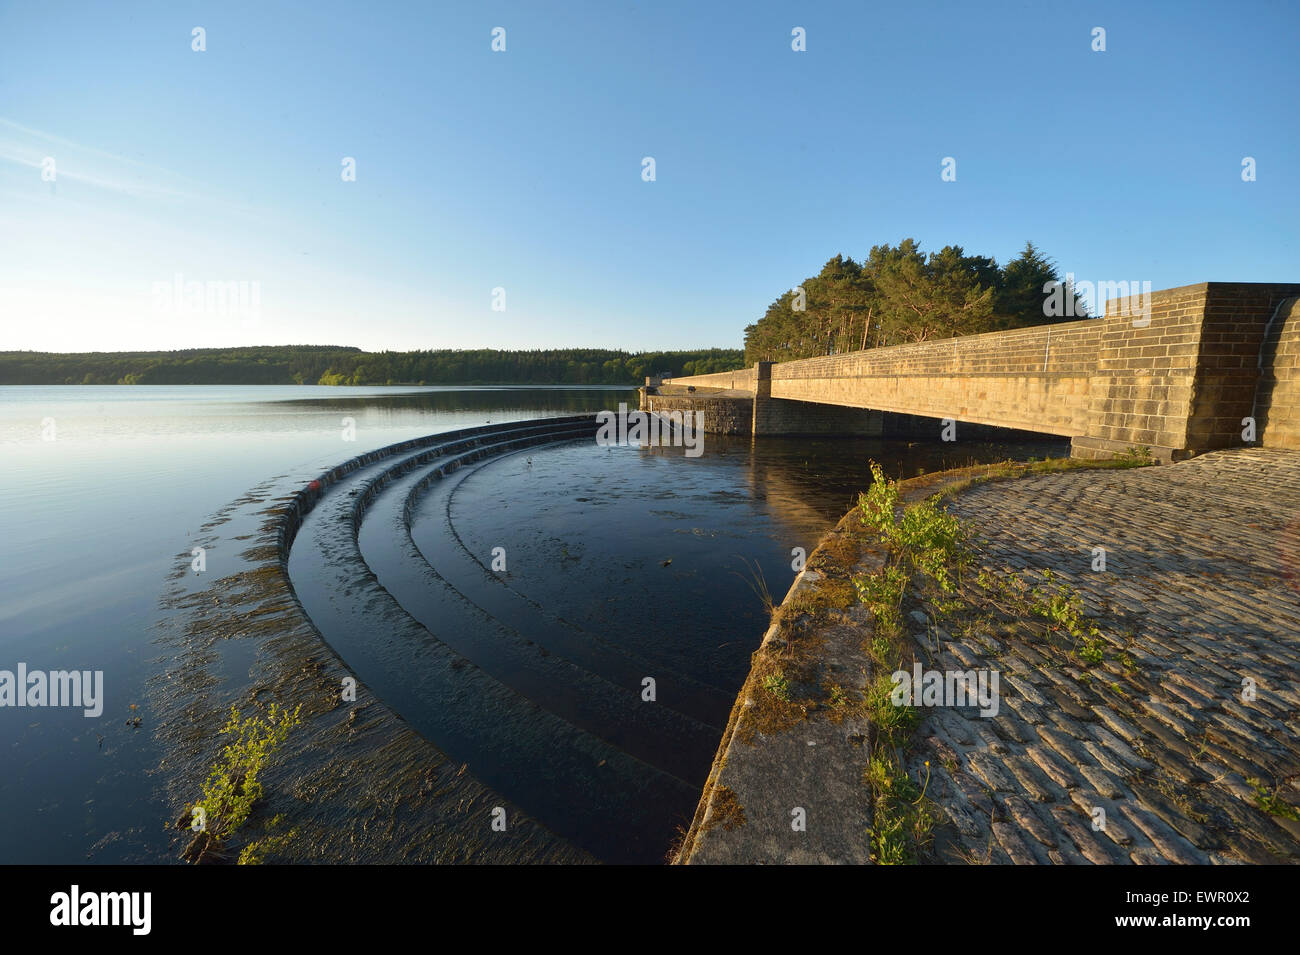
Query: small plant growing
{"x": 882, "y": 592}
{"x": 1269, "y": 801}
{"x": 233, "y": 786}
{"x": 927, "y": 537}
{"x": 256, "y": 852}
{"x": 1062, "y": 607}
{"x": 758, "y": 584}
{"x": 879, "y": 502}
{"x": 896, "y": 722}
{"x": 881, "y": 647}
{"x": 903, "y": 820}
{"x": 932, "y": 539}
{"x": 1136, "y": 457}
{"x": 776, "y": 684}
{"x": 1093, "y": 651}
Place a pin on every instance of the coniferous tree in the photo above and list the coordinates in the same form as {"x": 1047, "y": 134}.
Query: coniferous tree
{"x": 1020, "y": 294}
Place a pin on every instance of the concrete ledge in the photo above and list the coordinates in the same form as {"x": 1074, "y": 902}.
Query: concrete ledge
{"x": 766, "y": 768}
{"x": 1101, "y": 449}
{"x": 763, "y": 773}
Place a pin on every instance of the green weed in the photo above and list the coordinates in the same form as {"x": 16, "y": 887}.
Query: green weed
{"x": 233, "y": 786}
{"x": 776, "y": 684}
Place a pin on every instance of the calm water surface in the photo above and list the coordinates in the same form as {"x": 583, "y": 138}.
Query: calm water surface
{"x": 632, "y": 553}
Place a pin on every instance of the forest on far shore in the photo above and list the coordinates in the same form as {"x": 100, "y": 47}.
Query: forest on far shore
{"x": 896, "y": 294}
{"x": 331, "y": 365}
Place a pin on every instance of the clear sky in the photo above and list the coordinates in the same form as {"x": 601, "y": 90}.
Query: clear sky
{"x": 522, "y": 169}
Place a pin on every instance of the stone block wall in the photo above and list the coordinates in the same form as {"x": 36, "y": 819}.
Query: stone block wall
{"x": 1277, "y": 404}
{"x": 1182, "y": 382}
{"x": 741, "y": 379}
{"x": 1228, "y": 372}
{"x": 721, "y": 415}
{"x": 1141, "y": 389}
{"x": 1175, "y": 371}
{"x": 1028, "y": 378}
{"x": 1063, "y": 348}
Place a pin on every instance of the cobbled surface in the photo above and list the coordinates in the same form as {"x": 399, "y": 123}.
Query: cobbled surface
{"x": 1199, "y": 603}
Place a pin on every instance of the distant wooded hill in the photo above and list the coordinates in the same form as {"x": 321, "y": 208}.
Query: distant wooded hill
{"x": 330, "y": 365}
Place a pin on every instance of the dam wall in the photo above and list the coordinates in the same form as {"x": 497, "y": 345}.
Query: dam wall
{"x": 1178, "y": 371}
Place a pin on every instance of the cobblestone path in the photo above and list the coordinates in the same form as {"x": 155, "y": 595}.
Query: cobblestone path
{"x": 1201, "y": 591}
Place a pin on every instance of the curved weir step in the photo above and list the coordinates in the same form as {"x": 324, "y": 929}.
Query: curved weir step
{"x": 434, "y": 533}
{"x": 589, "y": 791}
{"x": 515, "y": 656}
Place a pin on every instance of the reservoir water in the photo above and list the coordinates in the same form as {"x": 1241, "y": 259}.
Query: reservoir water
{"x": 509, "y": 611}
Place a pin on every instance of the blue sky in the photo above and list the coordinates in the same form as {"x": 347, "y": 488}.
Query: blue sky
{"x": 522, "y": 169}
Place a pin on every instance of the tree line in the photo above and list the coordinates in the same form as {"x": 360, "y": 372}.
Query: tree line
{"x": 898, "y": 294}
{"x": 333, "y": 365}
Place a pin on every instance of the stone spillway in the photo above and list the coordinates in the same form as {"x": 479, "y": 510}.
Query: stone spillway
{"x": 547, "y": 713}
